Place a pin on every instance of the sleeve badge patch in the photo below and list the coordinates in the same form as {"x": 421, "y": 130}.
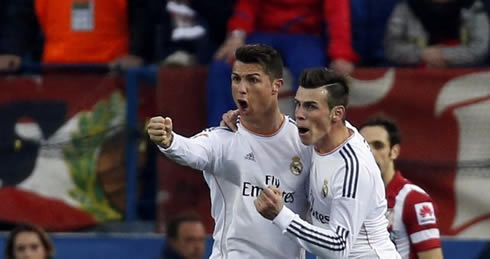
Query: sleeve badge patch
{"x": 425, "y": 213}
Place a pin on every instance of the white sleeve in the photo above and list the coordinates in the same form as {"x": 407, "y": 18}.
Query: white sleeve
{"x": 198, "y": 152}
{"x": 348, "y": 212}
{"x": 323, "y": 242}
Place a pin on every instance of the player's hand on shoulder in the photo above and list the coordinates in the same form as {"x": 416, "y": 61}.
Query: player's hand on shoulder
{"x": 160, "y": 131}
{"x": 269, "y": 203}
{"x": 229, "y": 120}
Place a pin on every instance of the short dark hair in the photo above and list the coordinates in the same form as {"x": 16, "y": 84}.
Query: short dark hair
{"x": 265, "y": 55}
{"x": 25, "y": 227}
{"x": 336, "y": 84}
{"x": 389, "y": 125}
{"x": 174, "y": 223}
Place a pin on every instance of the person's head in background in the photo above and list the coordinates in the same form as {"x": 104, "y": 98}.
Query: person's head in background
{"x": 440, "y": 18}
{"x": 186, "y": 235}
{"x": 383, "y": 135}
{"x": 321, "y": 102}
{"x": 27, "y": 241}
{"x": 255, "y": 80}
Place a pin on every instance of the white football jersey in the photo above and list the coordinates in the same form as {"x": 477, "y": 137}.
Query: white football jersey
{"x": 237, "y": 166}
{"x": 348, "y": 206}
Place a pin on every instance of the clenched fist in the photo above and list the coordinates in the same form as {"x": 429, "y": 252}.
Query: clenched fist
{"x": 160, "y": 131}
{"x": 269, "y": 203}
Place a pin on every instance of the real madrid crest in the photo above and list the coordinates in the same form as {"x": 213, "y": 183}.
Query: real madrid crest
{"x": 296, "y": 166}
{"x": 325, "y": 188}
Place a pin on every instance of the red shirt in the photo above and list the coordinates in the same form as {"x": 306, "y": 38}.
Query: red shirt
{"x": 298, "y": 17}
{"x": 412, "y": 218}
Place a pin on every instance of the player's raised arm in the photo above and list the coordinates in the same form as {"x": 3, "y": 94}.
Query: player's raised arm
{"x": 198, "y": 152}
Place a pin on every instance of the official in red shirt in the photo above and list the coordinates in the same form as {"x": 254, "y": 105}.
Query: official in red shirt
{"x": 411, "y": 211}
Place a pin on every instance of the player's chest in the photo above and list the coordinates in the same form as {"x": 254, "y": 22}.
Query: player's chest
{"x": 321, "y": 194}
{"x": 268, "y": 164}
{"x": 322, "y": 176}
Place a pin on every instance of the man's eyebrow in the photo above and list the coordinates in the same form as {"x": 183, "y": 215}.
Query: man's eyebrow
{"x": 245, "y": 75}
{"x": 305, "y": 102}
{"x": 253, "y": 74}
{"x": 310, "y": 102}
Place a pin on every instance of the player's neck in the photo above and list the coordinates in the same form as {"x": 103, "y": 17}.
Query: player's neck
{"x": 336, "y": 137}
{"x": 265, "y": 124}
{"x": 389, "y": 174}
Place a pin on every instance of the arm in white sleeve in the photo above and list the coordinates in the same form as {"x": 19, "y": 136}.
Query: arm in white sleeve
{"x": 348, "y": 212}
{"x": 323, "y": 242}
{"x": 197, "y": 152}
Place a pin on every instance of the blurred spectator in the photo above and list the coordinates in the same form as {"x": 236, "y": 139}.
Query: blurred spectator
{"x": 437, "y": 33}
{"x": 10, "y": 59}
{"x": 185, "y": 32}
{"x": 413, "y": 224}
{"x": 186, "y": 237}
{"x": 369, "y": 19}
{"x": 79, "y": 31}
{"x": 28, "y": 242}
{"x": 3, "y": 23}
{"x": 295, "y": 28}
{"x": 486, "y": 3}
{"x": 193, "y": 29}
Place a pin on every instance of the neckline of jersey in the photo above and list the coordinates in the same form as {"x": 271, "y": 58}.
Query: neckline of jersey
{"x": 269, "y": 134}
{"x": 337, "y": 147}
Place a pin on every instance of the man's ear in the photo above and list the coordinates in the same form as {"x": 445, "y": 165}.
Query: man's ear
{"x": 276, "y": 85}
{"x": 337, "y": 113}
{"x": 395, "y": 151}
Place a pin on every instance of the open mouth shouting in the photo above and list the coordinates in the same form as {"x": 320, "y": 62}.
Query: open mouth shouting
{"x": 303, "y": 131}
{"x": 242, "y": 105}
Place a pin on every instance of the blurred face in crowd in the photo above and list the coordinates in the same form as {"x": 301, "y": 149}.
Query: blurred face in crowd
{"x": 254, "y": 92}
{"x": 190, "y": 241}
{"x": 28, "y": 245}
{"x": 383, "y": 152}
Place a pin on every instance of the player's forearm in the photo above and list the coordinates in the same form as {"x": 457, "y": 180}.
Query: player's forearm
{"x": 322, "y": 242}
{"x": 187, "y": 152}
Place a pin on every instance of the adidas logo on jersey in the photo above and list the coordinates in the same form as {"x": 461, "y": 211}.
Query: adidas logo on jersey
{"x": 250, "y": 156}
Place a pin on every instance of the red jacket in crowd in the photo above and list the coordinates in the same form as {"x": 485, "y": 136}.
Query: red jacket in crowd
{"x": 299, "y": 17}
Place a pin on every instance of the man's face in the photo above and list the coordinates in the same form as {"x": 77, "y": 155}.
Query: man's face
{"x": 312, "y": 115}
{"x": 379, "y": 140}
{"x": 28, "y": 245}
{"x": 190, "y": 241}
{"x": 252, "y": 89}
